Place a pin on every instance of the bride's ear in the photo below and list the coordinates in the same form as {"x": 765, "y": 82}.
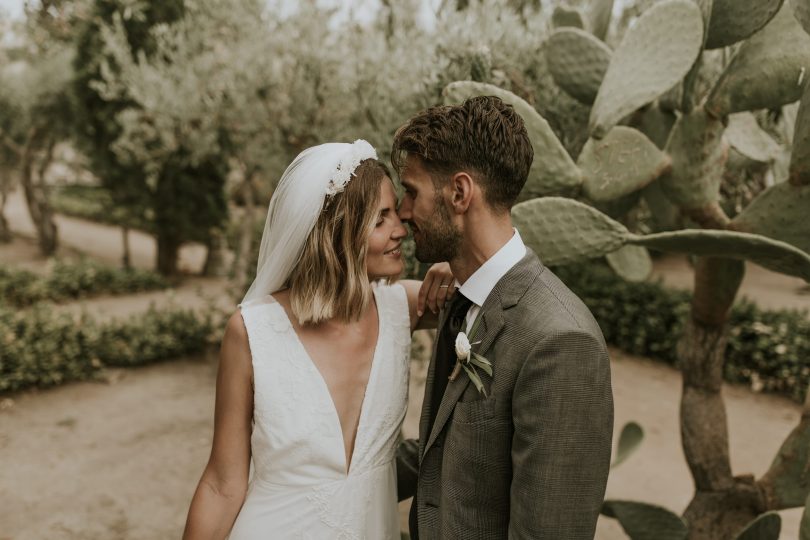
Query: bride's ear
{"x": 462, "y": 188}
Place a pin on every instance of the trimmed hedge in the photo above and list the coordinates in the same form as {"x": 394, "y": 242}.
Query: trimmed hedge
{"x": 767, "y": 350}
{"x": 39, "y": 348}
{"x": 71, "y": 280}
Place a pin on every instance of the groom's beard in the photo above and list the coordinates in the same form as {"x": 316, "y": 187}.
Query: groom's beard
{"x": 439, "y": 240}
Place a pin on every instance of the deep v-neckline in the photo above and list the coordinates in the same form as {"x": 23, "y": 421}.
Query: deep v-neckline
{"x": 348, "y": 461}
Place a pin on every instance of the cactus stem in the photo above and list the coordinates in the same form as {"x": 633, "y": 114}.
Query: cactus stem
{"x": 710, "y": 216}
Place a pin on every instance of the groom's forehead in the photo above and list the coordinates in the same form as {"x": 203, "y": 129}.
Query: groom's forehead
{"x": 412, "y": 171}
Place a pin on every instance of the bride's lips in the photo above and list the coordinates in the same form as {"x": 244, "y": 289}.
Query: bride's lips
{"x": 396, "y": 252}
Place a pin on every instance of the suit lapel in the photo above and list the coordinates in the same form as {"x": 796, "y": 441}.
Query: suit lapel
{"x": 427, "y": 402}
{"x": 507, "y": 293}
{"x": 488, "y": 329}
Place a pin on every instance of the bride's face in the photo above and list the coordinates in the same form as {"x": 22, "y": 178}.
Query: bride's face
{"x": 384, "y": 258}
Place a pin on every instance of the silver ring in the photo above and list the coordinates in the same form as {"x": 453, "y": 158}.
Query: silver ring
{"x": 443, "y": 286}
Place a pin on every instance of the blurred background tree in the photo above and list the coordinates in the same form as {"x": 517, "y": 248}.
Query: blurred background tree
{"x": 180, "y": 196}
{"x": 36, "y": 112}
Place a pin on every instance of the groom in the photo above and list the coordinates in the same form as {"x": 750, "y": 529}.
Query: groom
{"x": 527, "y": 455}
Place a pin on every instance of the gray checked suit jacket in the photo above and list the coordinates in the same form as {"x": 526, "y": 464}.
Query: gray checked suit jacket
{"x": 530, "y": 460}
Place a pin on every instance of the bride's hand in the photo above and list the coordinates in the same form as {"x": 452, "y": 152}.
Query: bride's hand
{"x": 438, "y": 285}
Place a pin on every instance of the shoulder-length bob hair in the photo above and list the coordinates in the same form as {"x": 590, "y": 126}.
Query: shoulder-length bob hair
{"x": 330, "y": 280}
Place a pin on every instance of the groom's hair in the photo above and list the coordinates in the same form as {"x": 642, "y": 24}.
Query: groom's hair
{"x": 483, "y": 137}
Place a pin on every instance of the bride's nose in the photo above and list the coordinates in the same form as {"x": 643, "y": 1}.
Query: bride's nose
{"x": 399, "y": 230}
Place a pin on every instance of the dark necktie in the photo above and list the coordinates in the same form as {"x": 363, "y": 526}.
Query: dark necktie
{"x": 446, "y": 349}
{"x": 445, "y": 361}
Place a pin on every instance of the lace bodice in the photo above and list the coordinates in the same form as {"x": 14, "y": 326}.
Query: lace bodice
{"x": 297, "y": 442}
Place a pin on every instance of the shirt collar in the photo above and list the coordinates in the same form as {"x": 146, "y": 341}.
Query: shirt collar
{"x": 482, "y": 281}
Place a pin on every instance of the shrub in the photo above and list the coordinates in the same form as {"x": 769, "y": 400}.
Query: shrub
{"x": 70, "y": 280}
{"x": 40, "y": 349}
{"x": 767, "y": 350}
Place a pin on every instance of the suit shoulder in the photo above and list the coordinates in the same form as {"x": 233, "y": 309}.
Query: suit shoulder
{"x": 550, "y": 307}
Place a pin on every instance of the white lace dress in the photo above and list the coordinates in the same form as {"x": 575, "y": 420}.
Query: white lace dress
{"x": 300, "y": 488}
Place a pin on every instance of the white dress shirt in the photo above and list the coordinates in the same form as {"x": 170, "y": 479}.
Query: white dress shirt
{"x": 482, "y": 281}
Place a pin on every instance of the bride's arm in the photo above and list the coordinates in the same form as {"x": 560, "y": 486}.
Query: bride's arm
{"x": 222, "y": 488}
{"x": 426, "y": 298}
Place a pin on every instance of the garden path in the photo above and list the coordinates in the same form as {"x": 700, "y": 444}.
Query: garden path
{"x": 120, "y": 458}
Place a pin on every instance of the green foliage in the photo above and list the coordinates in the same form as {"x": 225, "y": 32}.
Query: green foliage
{"x": 629, "y": 440}
{"x": 632, "y": 263}
{"x": 42, "y": 349}
{"x": 804, "y": 530}
{"x": 783, "y": 47}
{"x": 653, "y": 56}
{"x": 611, "y": 174}
{"x": 94, "y": 203}
{"x": 578, "y": 62}
{"x": 643, "y": 521}
{"x": 71, "y": 280}
{"x": 735, "y": 20}
{"x": 800, "y": 157}
{"x": 765, "y": 527}
{"x": 767, "y": 350}
{"x": 181, "y": 193}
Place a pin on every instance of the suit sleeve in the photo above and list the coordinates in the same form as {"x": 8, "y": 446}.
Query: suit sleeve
{"x": 407, "y": 468}
{"x": 562, "y": 410}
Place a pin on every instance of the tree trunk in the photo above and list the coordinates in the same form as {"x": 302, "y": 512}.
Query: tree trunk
{"x": 35, "y": 195}
{"x": 126, "y": 260}
{"x": 215, "y": 255}
{"x": 722, "y": 504}
{"x": 5, "y": 230}
{"x": 245, "y": 247}
{"x": 168, "y": 249}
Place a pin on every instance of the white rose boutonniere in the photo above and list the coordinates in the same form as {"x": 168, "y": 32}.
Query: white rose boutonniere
{"x": 469, "y": 360}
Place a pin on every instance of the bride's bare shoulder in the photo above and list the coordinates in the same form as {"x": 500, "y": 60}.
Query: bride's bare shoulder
{"x": 235, "y": 331}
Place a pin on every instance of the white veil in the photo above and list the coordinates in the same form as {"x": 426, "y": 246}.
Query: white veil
{"x": 295, "y": 206}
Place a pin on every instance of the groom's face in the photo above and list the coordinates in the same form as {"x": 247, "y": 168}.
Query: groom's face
{"x": 424, "y": 209}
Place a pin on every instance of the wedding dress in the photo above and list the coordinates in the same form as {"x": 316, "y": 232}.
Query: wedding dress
{"x": 301, "y": 487}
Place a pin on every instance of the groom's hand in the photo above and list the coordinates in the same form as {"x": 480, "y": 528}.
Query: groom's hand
{"x": 438, "y": 285}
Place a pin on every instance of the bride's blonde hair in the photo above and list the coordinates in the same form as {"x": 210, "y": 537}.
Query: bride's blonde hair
{"x": 330, "y": 280}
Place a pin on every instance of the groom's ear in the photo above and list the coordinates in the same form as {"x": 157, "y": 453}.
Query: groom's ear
{"x": 462, "y": 190}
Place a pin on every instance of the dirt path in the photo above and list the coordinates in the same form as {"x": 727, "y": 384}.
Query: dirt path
{"x": 769, "y": 290}
{"x": 121, "y": 459}
{"x": 102, "y": 242}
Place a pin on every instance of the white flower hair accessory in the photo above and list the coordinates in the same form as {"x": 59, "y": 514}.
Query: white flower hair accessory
{"x": 359, "y": 150}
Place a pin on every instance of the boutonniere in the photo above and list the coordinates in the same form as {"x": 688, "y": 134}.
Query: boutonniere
{"x": 468, "y": 360}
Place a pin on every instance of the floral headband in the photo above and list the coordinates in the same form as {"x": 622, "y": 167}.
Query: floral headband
{"x": 358, "y": 151}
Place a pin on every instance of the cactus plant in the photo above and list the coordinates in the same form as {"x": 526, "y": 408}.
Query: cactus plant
{"x": 745, "y": 136}
{"x": 662, "y": 127}
{"x": 646, "y": 521}
{"x": 802, "y": 11}
{"x": 578, "y": 62}
{"x": 599, "y": 17}
{"x": 767, "y": 71}
{"x": 735, "y": 20}
{"x": 564, "y": 16}
{"x": 661, "y": 46}
{"x": 800, "y": 158}
{"x": 768, "y": 525}
{"x": 629, "y": 440}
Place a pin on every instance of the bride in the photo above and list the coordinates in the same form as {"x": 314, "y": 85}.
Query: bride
{"x": 313, "y": 376}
